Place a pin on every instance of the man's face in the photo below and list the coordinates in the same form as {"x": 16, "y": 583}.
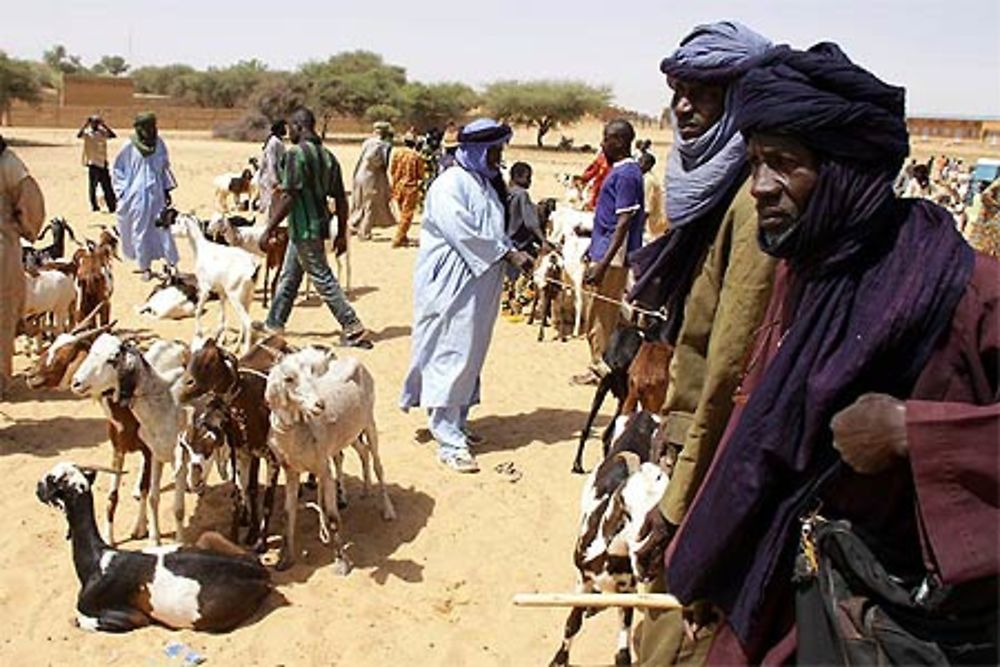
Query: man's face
{"x": 784, "y": 174}
{"x": 95, "y": 123}
{"x": 493, "y": 156}
{"x": 697, "y": 106}
{"x": 523, "y": 179}
{"x": 294, "y": 132}
{"x": 614, "y": 146}
{"x": 147, "y": 131}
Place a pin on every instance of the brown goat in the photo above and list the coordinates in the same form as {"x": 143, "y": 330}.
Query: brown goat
{"x": 648, "y": 377}
{"x": 275, "y": 247}
{"x": 93, "y": 279}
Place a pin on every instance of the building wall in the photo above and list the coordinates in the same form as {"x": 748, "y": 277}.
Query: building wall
{"x": 102, "y": 91}
{"x": 169, "y": 117}
{"x": 945, "y": 128}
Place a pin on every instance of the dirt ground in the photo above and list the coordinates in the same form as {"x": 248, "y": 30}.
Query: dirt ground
{"x": 434, "y": 587}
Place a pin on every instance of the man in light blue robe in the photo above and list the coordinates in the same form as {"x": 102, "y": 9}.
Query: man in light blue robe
{"x": 456, "y": 291}
{"x": 142, "y": 182}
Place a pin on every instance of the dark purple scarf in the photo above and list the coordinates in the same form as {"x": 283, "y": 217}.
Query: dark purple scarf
{"x": 876, "y": 281}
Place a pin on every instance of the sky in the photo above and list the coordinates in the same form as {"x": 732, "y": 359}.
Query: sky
{"x": 945, "y": 52}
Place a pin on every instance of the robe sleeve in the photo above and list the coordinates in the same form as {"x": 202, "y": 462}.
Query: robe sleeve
{"x": 27, "y": 203}
{"x": 458, "y": 224}
{"x": 120, "y": 172}
{"x": 169, "y": 181}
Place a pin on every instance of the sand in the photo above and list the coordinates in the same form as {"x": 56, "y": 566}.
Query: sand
{"x": 432, "y": 588}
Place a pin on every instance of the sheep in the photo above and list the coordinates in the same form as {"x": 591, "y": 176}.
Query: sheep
{"x": 117, "y": 370}
{"x": 200, "y": 588}
{"x": 616, "y": 499}
{"x": 35, "y": 257}
{"x": 320, "y": 406}
{"x": 229, "y": 272}
{"x": 232, "y": 186}
{"x": 49, "y": 293}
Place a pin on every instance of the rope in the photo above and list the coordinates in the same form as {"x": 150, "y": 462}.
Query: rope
{"x": 618, "y": 302}
{"x": 324, "y": 532}
{"x": 254, "y": 372}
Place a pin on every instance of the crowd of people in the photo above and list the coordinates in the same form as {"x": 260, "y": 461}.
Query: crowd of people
{"x": 832, "y": 317}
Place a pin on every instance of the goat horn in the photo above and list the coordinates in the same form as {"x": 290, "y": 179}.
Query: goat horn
{"x": 111, "y": 471}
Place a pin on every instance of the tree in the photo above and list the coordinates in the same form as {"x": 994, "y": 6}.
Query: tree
{"x": 113, "y": 65}
{"x": 18, "y": 81}
{"x": 432, "y": 105}
{"x": 383, "y": 112}
{"x": 61, "y": 61}
{"x": 157, "y": 80}
{"x": 351, "y": 83}
{"x": 544, "y": 104}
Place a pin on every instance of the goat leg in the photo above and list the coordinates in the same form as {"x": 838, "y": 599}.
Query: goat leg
{"x": 546, "y": 307}
{"x": 624, "y": 656}
{"x": 140, "y": 530}
{"x": 272, "y": 483}
{"x": 155, "y": 478}
{"x": 331, "y": 516}
{"x": 573, "y": 624}
{"x": 288, "y": 554}
{"x": 180, "y": 488}
{"x": 117, "y": 464}
{"x": 388, "y": 511}
{"x": 338, "y": 465}
{"x": 602, "y": 390}
{"x": 253, "y": 486}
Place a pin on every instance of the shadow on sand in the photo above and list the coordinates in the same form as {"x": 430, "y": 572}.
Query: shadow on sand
{"x": 51, "y": 436}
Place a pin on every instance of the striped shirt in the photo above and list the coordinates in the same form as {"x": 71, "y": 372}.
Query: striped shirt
{"x": 310, "y": 174}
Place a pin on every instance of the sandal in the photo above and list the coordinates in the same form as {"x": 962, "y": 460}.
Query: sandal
{"x": 461, "y": 461}
{"x": 473, "y": 438}
{"x": 508, "y": 470}
{"x": 358, "y": 339}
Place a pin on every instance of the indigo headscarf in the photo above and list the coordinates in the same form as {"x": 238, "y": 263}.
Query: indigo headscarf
{"x": 475, "y": 140}
{"x": 702, "y": 174}
{"x": 876, "y": 282}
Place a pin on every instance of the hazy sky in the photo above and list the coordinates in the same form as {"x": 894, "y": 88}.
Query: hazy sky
{"x": 946, "y": 52}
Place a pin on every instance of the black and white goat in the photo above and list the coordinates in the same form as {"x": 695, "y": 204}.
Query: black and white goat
{"x": 36, "y": 257}
{"x": 180, "y": 587}
{"x": 617, "y": 496}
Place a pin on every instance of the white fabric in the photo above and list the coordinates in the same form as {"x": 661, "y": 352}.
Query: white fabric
{"x": 141, "y": 184}
{"x": 456, "y": 291}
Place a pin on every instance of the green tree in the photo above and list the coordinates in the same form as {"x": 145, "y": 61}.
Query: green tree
{"x": 432, "y": 105}
{"x": 385, "y": 112}
{"x": 351, "y": 83}
{"x": 113, "y": 65}
{"x": 62, "y": 61}
{"x": 544, "y": 104}
{"x": 18, "y": 81}
{"x": 158, "y": 80}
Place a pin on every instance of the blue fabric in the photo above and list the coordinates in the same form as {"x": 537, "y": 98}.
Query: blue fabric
{"x": 456, "y": 290}
{"x": 700, "y": 170}
{"x": 472, "y": 155}
{"x": 140, "y": 184}
{"x": 303, "y": 257}
{"x": 621, "y": 191}
{"x": 874, "y": 284}
{"x": 446, "y": 425}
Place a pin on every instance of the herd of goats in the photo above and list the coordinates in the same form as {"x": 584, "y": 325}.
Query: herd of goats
{"x": 201, "y": 406}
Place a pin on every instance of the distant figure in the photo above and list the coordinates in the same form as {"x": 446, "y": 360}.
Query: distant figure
{"x": 524, "y": 228}
{"x": 270, "y": 165}
{"x": 95, "y": 134}
{"x": 407, "y": 171}
{"x": 983, "y": 229}
{"x": 593, "y": 177}
{"x": 449, "y": 145}
{"x": 370, "y": 192}
{"x": 22, "y": 211}
{"x": 310, "y": 176}
{"x": 456, "y": 289}
{"x": 143, "y": 181}
{"x": 656, "y": 218}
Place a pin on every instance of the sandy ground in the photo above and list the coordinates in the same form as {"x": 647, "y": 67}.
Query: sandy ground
{"x": 432, "y": 588}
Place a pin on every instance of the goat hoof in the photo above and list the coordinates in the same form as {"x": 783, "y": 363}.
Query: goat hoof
{"x": 341, "y": 567}
{"x": 139, "y": 534}
{"x": 561, "y": 659}
{"x": 623, "y": 658}
{"x": 578, "y": 469}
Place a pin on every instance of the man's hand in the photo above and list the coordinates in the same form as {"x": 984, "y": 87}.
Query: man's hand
{"x": 870, "y": 434}
{"x": 520, "y": 259}
{"x": 697, "y": 616}
{"x": 655, "y": 534}
{"x": 594, "y": 274}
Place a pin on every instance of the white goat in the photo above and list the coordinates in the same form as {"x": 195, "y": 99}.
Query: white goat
{"x": 49, "y": 293}
{"x": 118, "y": 368}
{"x": 570, "y": 233}
{"x": 319, "y": 407}
{"x": 229, "y": 272}
{"x": 233, "y": 186}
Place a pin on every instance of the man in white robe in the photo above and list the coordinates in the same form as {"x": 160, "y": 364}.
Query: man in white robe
{"x": 270, "y": 165}
{"x": 456, "y": 292}
{"x": 370, "y": 190}
{"x": 142, "y": 181}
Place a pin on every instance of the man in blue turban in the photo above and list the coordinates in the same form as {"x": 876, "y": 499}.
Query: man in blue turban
{"x": 456, "y": 288}
{"x": 874, "y": 395}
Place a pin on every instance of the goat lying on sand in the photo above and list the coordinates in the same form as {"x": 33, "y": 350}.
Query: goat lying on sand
{"x": 179, "y": 587}
{"x": 319, "y": 407}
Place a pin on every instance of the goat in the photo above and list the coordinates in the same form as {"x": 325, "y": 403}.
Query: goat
{"x": 648, "y": 376}
{"x": 49, "y": 293}
{"x": 117, "y": 368}
{"x": 623, "y": 345}
{"x": 241, "y": 421}
{"x": 319, "y": 407}
{"x": 174, "y": 298}
{"x": 547, "y": 278}
{"x": 35, "y": 257}
{"x": 179, "y": 587}
{"x": 617, "y": 496}
{"x": 229, "y": 272}
{"x": 249, "y": 238}
{"x": 571, "y": 234}
{"x": 94, "y": 279}
{"x": 234, "y": 186}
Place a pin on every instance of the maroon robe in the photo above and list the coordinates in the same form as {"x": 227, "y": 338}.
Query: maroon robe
{"x": 937, "y": 511}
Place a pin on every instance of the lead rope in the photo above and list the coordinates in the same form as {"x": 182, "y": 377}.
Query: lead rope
{"x": 618, "y": 302}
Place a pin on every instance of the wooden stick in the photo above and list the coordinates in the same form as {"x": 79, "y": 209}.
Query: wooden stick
{"x": 598, "y": 600}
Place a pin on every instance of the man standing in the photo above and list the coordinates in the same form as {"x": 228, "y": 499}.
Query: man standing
{"x": 95, "y": 134}
{"x": 143, "y": 181}
{"x": 873, "y": 397}
{"x": 711, "y": 278}
{"x": 592, "y": 179}
{"x": 270, "y": 165}
{"x": 311, "y": 176}
{"x": 407, "y": 171}
{"x": 618, "y": 221}
{"x": 456, "y": 290}
{"x": 656, "y": 219}
{"x": 370, "y": 191}
{"x": 22, "y": 211}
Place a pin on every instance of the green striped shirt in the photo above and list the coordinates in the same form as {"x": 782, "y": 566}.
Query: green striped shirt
{"x": 310, "y": 174}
